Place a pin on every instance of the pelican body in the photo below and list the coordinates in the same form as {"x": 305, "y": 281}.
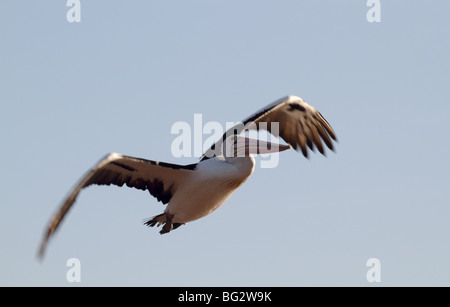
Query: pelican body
{"x": 196, "y": 190}
{"x": 211, "y": 183}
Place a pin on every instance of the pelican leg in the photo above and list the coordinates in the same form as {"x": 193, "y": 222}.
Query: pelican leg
{"x": 168, "y": 225}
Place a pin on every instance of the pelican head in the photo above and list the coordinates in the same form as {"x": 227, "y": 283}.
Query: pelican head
{"x": 240, "y": 146}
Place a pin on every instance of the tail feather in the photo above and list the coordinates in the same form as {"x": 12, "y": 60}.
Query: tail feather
{"x": 156, "y": 220}
{"x": 162, "y": 219}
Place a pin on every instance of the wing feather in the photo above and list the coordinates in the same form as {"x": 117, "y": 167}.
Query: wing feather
{"x": 300, "y": 125}
{"x": 160, "y": 179}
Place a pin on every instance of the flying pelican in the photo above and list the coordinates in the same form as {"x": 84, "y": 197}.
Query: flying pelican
{"x": 196, "y": 190}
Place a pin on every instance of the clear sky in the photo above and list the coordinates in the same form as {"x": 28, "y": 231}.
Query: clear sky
{"x": 118, "y": 80}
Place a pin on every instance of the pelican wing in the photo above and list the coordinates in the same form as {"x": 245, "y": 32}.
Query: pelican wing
{"x": 299, "y": 124}
{"x": 160, "y": 179}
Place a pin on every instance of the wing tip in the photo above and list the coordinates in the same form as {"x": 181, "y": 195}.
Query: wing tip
{"x": 51, "y": 228}
{"x": 42, "y": 248}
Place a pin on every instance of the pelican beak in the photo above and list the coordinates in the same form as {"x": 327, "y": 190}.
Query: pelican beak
{"x": 253, "y": 146}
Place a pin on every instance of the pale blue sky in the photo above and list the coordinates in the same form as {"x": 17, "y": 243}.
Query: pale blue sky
{"x": 119, "y": 80}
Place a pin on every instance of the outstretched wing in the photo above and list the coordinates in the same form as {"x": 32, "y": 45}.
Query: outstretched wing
{"x": 160, "y": 179}
{"x": 299, "y": 124}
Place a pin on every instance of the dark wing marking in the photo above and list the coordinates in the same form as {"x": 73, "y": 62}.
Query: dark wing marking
{"x": 300, "y": 125}
{"x": 159, "y": 178}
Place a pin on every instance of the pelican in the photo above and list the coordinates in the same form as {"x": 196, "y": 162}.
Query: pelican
{"x": 196, "y": 190}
